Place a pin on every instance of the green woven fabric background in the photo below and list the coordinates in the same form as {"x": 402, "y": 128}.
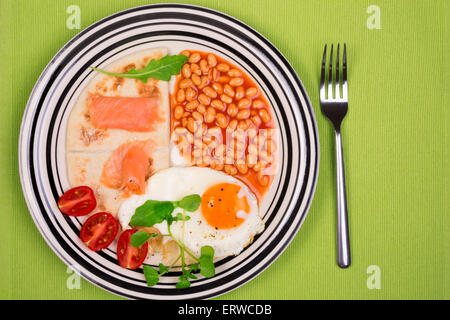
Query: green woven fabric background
{"x": 395, "y": 143}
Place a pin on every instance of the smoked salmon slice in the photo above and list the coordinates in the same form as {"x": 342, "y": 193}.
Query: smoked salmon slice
{"x": 128, "y": 167}
{"x": 132, "y": 114}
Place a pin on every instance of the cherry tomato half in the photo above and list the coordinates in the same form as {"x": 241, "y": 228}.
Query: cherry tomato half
{"x": 78, "y": 201}
{"x": 128, "y": 256}
{"x": 99, "y": 231}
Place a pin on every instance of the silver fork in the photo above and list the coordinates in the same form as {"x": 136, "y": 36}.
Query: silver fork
{"x": 335, "y": 108}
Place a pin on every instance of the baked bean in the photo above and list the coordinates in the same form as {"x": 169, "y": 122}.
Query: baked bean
{"x": 252, "y": 149}
{"x": 180, "y": 131}
{"x": 201, "y": 109}
{"x": 196, "y": 79}
{"x": 191, "y": 124}
{"x": 242, "y": 168}
{"x": 204, "y": 82}
{"x": 244, "y": 103}
{"x": 229, "y": 91}
{"x": 250, "y": 160}
{"x": 194, "y": 57}
{"x": 260, "y": 140}
{"x": 218, "y": 87}
{"x": 221, "y": 120}
{"x": 191, "y": 94}
{"x": 212, "y": 61}
{"x": 185, "y": 83}
{"x": 181, "y": 95}
{"x": 214, "y": 131}
{"x": 265, "y": 116}
{"x": 178, "y": 112}
{"x": 187, "y": 53}
{"x": 210, "y": 115}
{"x": 258, "y": 104}
{"x": 197, "y": 154}
{"x": 210, "y": 92}
{"x": 223, "y": 67}
{"x": 218, "y": 105}
{"x": 204, "y": 66}
{"x": 204, "y": 99}
{"x": 251, "y": 92}
{"x": 220, "y": 150}
{"x": 256, "y": 120}
{"x": 232, "y": 125}
{"x": 223, "y": 79}
{"x": 226, "y": 99}
{"x": 258, "y": 166}
{"x": 265, "y": 156}
{"x": 212, "y": 144}
{"x": 235, "y": 82}
{"x": 197, "y": 116}
{"x": 263, "y": 179}
{"x": 239, "y": 134}
{"x": 186, "y": 114}
{"x": 186, "y": 71}
{"x": 203, "y": 129}
{"x": 229, "y": 157}
{"x": 216, "y": 165}
{"x": 196, "y": 69}
{"x": 270, "y": 146}
{"x": 184, "y": 122}
{"x": 240, "y": 92}
{"x": 213, "y": 74}
{"x": 240, "y": 145}
{"x": 243, "y": 125}
{"x": 234, "y": 73}
{"x": 243, "y": 114}
{"x": 230, "y": 169}
{"x": 192, "y": 105}
{"x": 198, "y": 143}
{"x": 232, "y": 110}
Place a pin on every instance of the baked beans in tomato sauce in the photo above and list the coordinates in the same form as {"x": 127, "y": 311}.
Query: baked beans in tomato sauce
{"x": 221, "y": 119}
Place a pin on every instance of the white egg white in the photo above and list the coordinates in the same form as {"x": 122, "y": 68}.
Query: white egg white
{"x": 173, "y": 184}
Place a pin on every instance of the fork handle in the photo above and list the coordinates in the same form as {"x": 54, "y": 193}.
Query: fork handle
{"x": 343, "y": 245}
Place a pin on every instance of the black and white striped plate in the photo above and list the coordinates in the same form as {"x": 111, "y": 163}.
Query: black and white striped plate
{"x": 42, "y": 141}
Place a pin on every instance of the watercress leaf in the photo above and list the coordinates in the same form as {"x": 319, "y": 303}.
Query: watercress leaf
{"x": 207, "y": 251}
{"x": 151, "y": 275}
{"x": 207, "y": 266}
{"x": 190, "y": 275}
{"x": 190, "y": 203}
{"x": 153, "y": 235}
{"x": 151, "y": 213}
{"x": 194, "y": 266}
{"x": 162, "y": 268}
{"x": 161, "y": 69}
{"x": 139, "y": 238}
{"x": 183, "y": 283}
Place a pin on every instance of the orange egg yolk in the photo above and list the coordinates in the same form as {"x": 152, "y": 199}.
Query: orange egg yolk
{"x": 221, "y": 204}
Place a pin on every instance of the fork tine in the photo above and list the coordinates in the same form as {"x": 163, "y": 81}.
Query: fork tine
{"x": 344, "y": 74}
{"x": 330, "y": 75}
{"x": 322, "y": 75}
{"x": 336, "y": 82}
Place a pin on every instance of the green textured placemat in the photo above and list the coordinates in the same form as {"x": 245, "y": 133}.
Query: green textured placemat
{"x": 395, "y": 144}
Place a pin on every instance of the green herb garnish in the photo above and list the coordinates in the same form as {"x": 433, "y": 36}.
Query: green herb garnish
{"x": 161, "y": 69}
{"x": 140, "y": 237}
{"x": 153, "y": 212}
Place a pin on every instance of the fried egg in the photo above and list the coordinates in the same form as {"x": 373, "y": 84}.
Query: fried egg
{"x": 227, "y": 218}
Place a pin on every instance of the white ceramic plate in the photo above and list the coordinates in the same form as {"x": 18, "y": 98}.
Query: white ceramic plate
{"x": 43, "y": 132}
